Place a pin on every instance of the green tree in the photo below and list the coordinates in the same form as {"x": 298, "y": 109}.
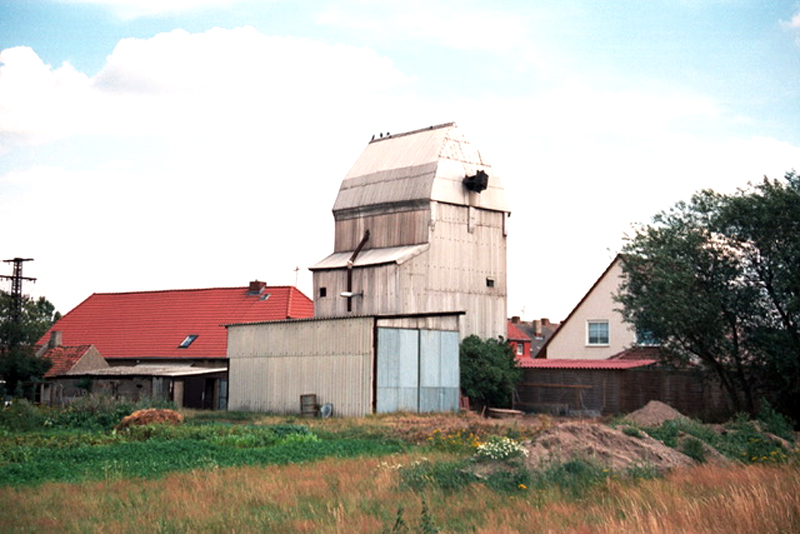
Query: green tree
{"x": 489, "y": 370}
{"x": 18, "y": 362}
{"x": 717, "y": 280}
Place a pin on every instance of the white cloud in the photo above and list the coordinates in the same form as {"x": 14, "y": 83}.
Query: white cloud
{"x": 177, "y": 83}
{"x": 458, "y": 25}
{"x": 133, "y": 9}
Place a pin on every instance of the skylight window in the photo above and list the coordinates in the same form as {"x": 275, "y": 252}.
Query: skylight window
{"x": 188, "y": 341}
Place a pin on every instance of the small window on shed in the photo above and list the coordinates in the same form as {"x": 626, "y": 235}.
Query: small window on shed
{"x": 188, "y": 341}
{"x": 323, "y": 292}
{"x": 489, "y": 281}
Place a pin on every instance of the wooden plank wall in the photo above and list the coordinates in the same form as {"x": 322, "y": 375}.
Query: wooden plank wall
{"x": 613, "y": 392}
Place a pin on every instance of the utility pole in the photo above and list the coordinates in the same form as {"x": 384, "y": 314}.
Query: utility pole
{"x": 16, "y": 287}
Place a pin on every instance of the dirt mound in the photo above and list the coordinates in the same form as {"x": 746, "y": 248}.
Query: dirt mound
{"x": 151, "y": 416}
{"x": 608, "y": 446}
{"x": 654, "y": 413}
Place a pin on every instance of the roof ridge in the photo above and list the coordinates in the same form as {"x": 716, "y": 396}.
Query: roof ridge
{"x": 184, "y": 290}
{"x": 412, "y": 132}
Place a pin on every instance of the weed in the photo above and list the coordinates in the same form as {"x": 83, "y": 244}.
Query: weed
{"x": 632, "y": 431}
{"x": 448, "y": 476}
{"x": 694, "y": 449}
{"x": 574, "y": 477}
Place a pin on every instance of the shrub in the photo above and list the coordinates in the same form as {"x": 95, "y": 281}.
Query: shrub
{"x": 775, "y": 422}
{"x": 21, "y": 415}
{"x": 489, "y": 371}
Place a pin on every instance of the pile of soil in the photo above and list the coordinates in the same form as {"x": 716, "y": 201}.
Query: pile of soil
{"x": 605, "y": 445}
{"x": 654, "y": 413}
{"x": 151, "y": 416}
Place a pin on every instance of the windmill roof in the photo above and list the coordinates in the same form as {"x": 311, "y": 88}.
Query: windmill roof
{"x": 154, "y": 324}
{"x": 419, "y": 166}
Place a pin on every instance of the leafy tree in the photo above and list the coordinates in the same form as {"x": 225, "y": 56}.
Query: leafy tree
{"x": 489, "y": 370}
{"x": 18, "y": 363}
{"x": 717, "y": 280}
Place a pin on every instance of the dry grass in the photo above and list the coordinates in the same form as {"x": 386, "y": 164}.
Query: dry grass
{"x": 363, "y": 495}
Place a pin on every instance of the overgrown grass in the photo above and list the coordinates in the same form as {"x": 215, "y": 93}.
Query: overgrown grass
{"x": 366, "y": 495}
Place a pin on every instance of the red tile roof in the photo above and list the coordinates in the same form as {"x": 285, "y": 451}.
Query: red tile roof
{"x": 515, "y": 334}
{"x": 153, "y": 324}
{"x": 64, "y": 359}
{"x": 583, "y": 364}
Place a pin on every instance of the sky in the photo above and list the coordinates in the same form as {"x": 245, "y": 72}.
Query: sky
{"x": 176, "y": 144}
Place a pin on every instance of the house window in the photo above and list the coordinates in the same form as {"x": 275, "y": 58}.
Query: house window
{"x": 645, "y": 338}
{"x": 188, "y": 341}
{"x": 520, "y": 350}
{"x": 597, "y": 333}
{"x": 323, "y": 292}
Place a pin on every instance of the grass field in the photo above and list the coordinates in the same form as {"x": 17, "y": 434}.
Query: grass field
{"x": 398, "y": 473}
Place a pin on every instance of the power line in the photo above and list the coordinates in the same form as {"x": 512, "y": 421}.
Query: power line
{"x": 16, "y": 287}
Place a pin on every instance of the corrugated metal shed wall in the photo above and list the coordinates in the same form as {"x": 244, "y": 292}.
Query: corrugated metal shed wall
{"x": 273, "y": 364}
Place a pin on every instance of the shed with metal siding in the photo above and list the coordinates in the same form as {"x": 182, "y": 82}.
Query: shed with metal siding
{"x": 358, "y": 364}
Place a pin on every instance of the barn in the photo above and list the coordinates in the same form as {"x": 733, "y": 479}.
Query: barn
{"x": 419, "y": 263}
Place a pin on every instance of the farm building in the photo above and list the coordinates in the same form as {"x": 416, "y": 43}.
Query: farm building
{"x": 419, "y": 263}
{"x": 420, "y": 226}
{"x": 165, "y": 344}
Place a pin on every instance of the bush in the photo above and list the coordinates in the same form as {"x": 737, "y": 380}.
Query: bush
{"x": 775, "y": 422}
{"x": 22, "y": 416}
{"x": 489, "y": 371}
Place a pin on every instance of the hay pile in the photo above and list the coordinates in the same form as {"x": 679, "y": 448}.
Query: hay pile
{"x": 151, "y": 416}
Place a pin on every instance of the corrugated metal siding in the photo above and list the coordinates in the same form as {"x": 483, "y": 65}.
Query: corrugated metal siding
{"x": 273, "y": 364}
{"x": 418, "y": 370}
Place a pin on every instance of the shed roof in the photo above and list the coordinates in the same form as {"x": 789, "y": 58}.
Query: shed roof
{"x": 421, "y": 165}
{"x": 153, "y": 370}
{"x": 540, "y": 363}
{"x": 154, "y": 324}
{"x": 64, "y": 359}
{"x": 371, "y": 256}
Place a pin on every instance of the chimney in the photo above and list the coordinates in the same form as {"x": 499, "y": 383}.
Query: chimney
{"x": 537, "y": 328}
{"x": 515, "y": 319}
{"x": 256, "y": 287}
{"x": 55, "y": 339}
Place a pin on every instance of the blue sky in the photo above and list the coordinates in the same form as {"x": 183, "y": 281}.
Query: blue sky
{"x": 150, "y": 144}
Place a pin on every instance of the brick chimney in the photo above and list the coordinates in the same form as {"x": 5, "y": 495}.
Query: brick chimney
{"x": 515, "y": 319}
{"x": 256, "y": 287}
{"x": 55, "y": 339}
